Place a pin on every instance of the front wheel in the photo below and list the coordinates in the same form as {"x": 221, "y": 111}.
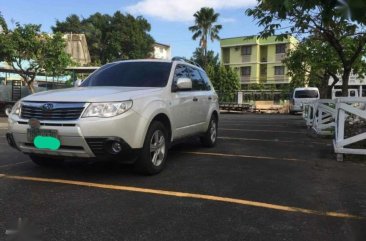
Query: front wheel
{"x": 210, "y": 137}
{"x": 154, "y": 153}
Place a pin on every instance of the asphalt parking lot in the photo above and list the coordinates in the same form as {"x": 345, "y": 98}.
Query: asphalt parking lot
{"x": 267, "y": 179}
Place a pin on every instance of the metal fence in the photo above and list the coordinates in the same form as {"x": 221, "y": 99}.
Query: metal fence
{"x": 344, "y": 118}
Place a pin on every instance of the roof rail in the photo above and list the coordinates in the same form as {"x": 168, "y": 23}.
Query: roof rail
{"x": 186, "y": 60}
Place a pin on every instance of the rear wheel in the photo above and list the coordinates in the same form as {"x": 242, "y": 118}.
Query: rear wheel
{"x": 154, "y": 153}
{"x": 210, "y": 137}
{"x": 45, "y": 160}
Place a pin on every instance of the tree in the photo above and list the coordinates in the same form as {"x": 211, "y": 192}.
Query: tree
{"x": 322, "y": 19}
{"x": 211, "y": 59}
{"x": 312, "y": 62}
{"x": 204, "y": 27}
{"x": 225, "y": 81}
{"x": 72, "y": 24}
{"x": 55, "y": 58}
{"x": 3, "y": 25}
{"x": 111, "y": 38}
{"x": 127, "y": 38}
{"x": 30, "y": 52}
{"x": 96, "y": 28}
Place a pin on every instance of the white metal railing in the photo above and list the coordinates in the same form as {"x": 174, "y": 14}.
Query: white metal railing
{"x": 309, "y": 113}
{"x": 324, "y": 118}
{"x": 346, "y": 107}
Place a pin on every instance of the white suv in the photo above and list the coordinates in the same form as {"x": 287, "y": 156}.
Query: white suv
{"x": 128, "y": 110}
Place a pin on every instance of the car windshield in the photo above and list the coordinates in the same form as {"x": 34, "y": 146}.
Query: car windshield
{"x": 306, "y": 94}
{"x": 130, "y": 74}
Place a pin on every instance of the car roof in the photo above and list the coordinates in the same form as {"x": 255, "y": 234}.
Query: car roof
{"x": 306, "y": 88}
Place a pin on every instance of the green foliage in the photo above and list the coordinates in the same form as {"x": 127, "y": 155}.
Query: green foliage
{"x": 322, "y": 19}
{"x": 72, "y": 24}
{"x": 30, "y": 52}
{"x": 225, "y": 81}
{"x": 204, "y": 27}
{"x": 55, "y": 58}
{"x": 311, "y": 63}
{"x": 3, "y": 25}
{"x": 211, "y": 59}
{"x": 111, "y": 38}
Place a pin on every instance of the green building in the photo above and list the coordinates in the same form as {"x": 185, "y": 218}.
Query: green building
{"x": 257, "y": 60}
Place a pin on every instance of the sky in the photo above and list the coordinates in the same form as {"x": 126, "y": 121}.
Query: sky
{"x": 169, "y": 19}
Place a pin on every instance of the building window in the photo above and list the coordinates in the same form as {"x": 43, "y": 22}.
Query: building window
{"x": 279, "y": 70}
{"x": 226, "y": 55}
{"x": 263, "y": 69}
{"x": 245, "y": 71}
{"x": 246, "y": 50}
{"x": 280, "y": 48}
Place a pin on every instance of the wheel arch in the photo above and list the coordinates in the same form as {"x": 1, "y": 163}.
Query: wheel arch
{"x": 163, "y": 118}
{"x": 216, "y": 115}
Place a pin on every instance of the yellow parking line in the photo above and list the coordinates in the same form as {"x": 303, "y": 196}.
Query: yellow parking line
{"x": 230, "y": 129}
{"x": 242, "y": 156}
{"x": 270, "y": 140}
{"x": 187, "y": 195}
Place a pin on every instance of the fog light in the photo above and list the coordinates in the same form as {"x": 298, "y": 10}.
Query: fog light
{"x": 116, "y": 147}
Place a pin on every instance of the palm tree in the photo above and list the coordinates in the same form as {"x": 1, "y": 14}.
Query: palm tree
{"x": 205, "y": 27}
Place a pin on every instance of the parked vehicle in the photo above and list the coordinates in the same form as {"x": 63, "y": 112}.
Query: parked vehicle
{"x": 129, "y": 111}
{"x": 300, "y": 96}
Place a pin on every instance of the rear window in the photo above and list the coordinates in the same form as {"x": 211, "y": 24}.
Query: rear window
{"x": 306, "y": 94}
{"x": 130, "y": 74}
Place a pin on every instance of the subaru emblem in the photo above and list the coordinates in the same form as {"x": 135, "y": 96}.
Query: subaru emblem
{"x": 47, "y": 107}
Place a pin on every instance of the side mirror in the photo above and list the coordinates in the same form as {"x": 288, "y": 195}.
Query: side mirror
{"x": 77, "y": 83}
{"x": 184, "y": 84}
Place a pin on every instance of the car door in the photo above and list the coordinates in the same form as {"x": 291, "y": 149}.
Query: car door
{"x": 199, "y": 92}
{"x": 181, "y": 106}
{"x": 208, "y": 98}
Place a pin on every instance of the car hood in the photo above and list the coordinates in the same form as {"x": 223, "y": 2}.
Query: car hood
{"x": 91, "y": 94}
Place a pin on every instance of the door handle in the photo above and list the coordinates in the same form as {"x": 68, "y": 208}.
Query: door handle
{"x": 195, "y": 99}
{"x": 209, "y": 98}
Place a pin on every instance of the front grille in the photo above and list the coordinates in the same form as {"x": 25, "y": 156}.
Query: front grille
{"x": 97, "y": 145}
{"x": 48, "y": 124}
{"x": 59, "y": 111}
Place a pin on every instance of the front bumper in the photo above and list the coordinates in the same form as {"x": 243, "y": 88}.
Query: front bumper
{"x": 296, "y": 108}
{"x": 77, "y": 137}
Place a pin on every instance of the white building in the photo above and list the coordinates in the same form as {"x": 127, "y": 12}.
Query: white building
{"x": 77, "y": 47}
{"x": 162, "y": 51}
{"x": 357, "y": 86}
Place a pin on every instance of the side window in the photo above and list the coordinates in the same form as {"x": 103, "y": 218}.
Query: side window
{"x": 206, "y": 80}
{"x": 180, "y": 72}
{"x": 197, "y": 81}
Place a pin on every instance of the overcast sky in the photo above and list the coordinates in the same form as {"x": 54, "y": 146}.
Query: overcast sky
{"x": 169, "y": 19}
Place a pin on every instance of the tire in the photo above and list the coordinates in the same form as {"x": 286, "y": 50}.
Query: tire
{"x": 7, "y": 109}
{"x": 209, "y": 139}
{"x": 46, "y": 161}
{"x": 153, "y": 156}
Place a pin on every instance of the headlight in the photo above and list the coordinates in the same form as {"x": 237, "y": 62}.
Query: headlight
{"x": 16, "y": 109}
{"x": 107, "y": 109}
